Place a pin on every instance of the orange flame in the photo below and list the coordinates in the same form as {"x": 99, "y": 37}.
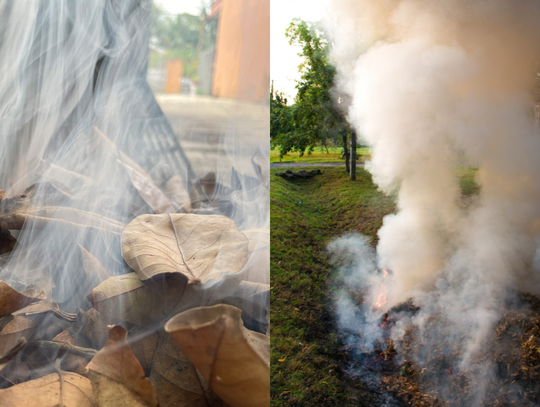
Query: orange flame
{"x": 381, "y": 300}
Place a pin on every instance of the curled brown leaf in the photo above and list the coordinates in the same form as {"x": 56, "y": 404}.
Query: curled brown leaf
{"x": 232, "y": 359}
{"x": 117, "y": 376}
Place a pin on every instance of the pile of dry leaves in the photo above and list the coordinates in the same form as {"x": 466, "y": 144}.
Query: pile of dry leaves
{"x": 170, "y": 330}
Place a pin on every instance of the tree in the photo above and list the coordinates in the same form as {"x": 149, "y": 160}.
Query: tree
{"x": 182, "y": 36}
{"x": 281, "y": 123}
{"x": 313, "y": 117}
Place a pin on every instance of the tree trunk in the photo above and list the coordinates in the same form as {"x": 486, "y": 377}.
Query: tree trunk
{"x": 346, "y": 152}
{"x": 353, "y": 155}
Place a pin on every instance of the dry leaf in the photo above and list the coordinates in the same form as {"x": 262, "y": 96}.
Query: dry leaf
{"x": 232, "y": 359}
{"x": 12, "y": 300}
{"x": 17, "y": 328}
{"x": 196, "y": 246}
{"x": 177, "y": 382}
{"x": 67, "y": 336}
{"x": 143, "y": 344}
{"x": 149, "y": 191}
{"x": 94, "y": 329}
{"x": 11, "y": 353}
{"x": 89, "y": 331}
{"x": 127, "y": 298}
{"x": 117, "y": 376}
{"x": 72, "y": 390}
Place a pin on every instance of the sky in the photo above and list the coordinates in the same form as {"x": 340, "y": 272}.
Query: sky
{"x": 284, "y": 59}
{"x": 180, "y": 6}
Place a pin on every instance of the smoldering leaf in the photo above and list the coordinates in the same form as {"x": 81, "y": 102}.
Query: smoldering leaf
{"x": 196, "y": 246}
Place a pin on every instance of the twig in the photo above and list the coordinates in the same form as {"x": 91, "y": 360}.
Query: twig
{"x": 7, "y": 380}
{"x": 87, "y": 353}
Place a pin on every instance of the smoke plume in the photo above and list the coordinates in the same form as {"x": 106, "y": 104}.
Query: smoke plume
{"x": 434, "y": 85}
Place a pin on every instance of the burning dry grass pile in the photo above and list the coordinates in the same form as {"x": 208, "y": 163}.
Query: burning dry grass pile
{"x": 167, "y": 329}
{"x": 513, "y": 353}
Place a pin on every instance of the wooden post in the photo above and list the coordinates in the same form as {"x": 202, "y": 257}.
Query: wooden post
{"x": 346, "y": 153}
{"x": 174, "y": 75}
{"x": 353, "y": 154}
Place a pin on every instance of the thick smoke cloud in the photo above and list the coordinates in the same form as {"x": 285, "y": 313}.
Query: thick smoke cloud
{"x": 436, "y": 84}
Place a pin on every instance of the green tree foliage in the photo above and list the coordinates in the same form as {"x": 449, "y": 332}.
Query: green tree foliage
{"x": 281, "y": 123}
{"x": 182, "y": 36}
{"x": 314, "y": 117}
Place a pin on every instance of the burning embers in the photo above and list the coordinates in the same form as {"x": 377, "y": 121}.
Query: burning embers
{"x": 381, "y": 299}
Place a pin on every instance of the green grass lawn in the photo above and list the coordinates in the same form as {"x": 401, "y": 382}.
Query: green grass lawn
{"x": 318, "y": 156}
{"x": 306, "y": 215}
{"x": 466, "y": 179}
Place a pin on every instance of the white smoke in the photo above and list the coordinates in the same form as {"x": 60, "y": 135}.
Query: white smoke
{"x": 435, "y": 85}
{"x": 76, "y": 110}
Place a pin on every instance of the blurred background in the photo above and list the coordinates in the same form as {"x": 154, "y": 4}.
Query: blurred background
{"x": 209, "y": 68}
